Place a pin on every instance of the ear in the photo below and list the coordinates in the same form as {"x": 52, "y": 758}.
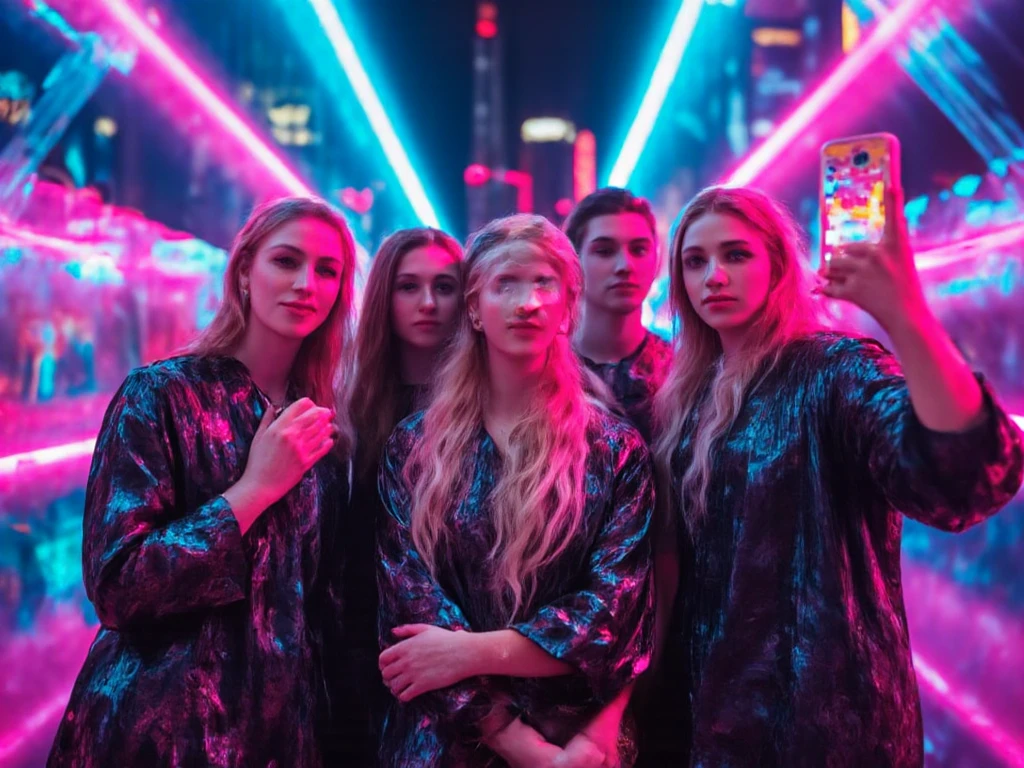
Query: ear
{"x": 472, "y": 307}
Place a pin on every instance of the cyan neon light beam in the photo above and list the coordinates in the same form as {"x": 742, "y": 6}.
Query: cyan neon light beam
{"x": 345, "y": 50}
{"x": 664, "y": 74}
{"x": 151, "y": 44}
{"x": 842, "y": 77}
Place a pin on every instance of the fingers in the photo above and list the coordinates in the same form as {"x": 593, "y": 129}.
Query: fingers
{"x": 312, "y": 418}
{"x": 837, "y": 289}
{"x": 403, "y": 687}
{"x": 389, "y": 656}
{"x": 296, "y": 409}
{"x": 410, "y": 630}
{"x": 895, "y": 218}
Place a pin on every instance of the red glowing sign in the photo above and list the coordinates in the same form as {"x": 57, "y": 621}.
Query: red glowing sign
{"x": 584, "y": 165}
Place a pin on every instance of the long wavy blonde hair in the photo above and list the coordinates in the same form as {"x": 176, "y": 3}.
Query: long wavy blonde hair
{"x": 538, "y": 503}
{"x": 326, "y": 353}
{"x": 701, "y": 376}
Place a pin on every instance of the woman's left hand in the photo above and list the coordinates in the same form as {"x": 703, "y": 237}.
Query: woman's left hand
{"x": 880, "y": 278}
{"x": 426, "y": 659}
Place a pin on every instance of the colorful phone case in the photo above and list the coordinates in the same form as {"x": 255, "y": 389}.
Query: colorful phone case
{"x": 855, "y": 173}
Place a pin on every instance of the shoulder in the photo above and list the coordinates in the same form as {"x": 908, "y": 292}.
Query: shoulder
{"x": 656, "y": 354}
{"x": 184, "y": 370}
{"x": 830, "y": 350}
{"x": 615, "y": 437}
{"x": 404, "y": 436}
{"x": 657, "y": 347}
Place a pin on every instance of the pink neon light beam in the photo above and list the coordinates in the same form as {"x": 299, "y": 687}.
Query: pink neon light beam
{"x": 967, "y": 249}
{"x": 970, "y": 714}
{"x": 844, "y": 75}
{"x": 151, "y": 44}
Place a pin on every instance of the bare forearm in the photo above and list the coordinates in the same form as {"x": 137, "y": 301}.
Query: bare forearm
{"x": 246, "y": 502}
{"x": 506, "y": 652}
{"x": 945, "y": 395}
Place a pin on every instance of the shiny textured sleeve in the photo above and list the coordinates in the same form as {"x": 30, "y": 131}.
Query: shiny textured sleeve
{"x": 410, "y": 595}
{"x": 603, "y": 626}
{"x": 950, "y": 481}
{"x": 145, "y": 557}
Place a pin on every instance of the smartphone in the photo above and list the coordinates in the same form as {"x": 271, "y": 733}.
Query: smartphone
{"x": 856, "y": 173}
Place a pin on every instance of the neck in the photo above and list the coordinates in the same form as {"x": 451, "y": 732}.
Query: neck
{"x": 269, "y": 358}
{"x": 511, "y": 387}
{"x": 606, "y": 337}
{"x": 732, "y": 340}
{"x": 416, "y": 364}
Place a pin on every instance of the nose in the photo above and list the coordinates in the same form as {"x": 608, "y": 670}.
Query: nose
{"x": 304, "y": 280}
{"x": 529, "y": 301}
{"x": 623, "y": 262}
{"x": 716, "y": 275}
{"x": 428, "y": 301}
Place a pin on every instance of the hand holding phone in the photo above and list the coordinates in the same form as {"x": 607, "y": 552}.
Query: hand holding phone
{"x": 866, "y": 254}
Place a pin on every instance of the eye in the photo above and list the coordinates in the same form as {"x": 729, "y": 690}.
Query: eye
{"x": 327, "y": 271}
{"x": 407, "y": 287}
{"x": 641, "y": 250}
{"x": 445, "y": 288}
{"x": 286, "y": 261}
{"x": 693, "y": 261}
{"x": 737, "y": 254}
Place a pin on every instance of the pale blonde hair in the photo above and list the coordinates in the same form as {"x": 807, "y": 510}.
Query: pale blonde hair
{"x": 538, "y": 503}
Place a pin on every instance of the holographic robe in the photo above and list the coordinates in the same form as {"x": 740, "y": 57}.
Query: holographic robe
{"x": 635, "y": 379}
{"x": 209, "y": 651}
{"x": 593, "y": 609}
{"x": 790, "y": 596}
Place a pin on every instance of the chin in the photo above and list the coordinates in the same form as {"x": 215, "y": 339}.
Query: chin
{"x": 297, "y": 331}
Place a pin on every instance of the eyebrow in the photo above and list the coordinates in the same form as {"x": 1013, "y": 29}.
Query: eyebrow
{"x": 602, "y": 239}
{"x": 300, "y": 252}
{"x": 723, "y": 244}
{"x": 417, "y": 276}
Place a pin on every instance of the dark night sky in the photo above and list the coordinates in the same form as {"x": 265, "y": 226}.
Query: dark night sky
{"x": 587, "y": 60}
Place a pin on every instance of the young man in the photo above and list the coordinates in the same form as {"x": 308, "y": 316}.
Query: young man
{"x": 616, "y": 237}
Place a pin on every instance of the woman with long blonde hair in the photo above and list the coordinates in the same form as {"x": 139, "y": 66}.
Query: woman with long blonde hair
{"x": 210, "y": 520}
{"x": 412, "y": 304}
{"x": 791, "y": 454}
{"x": 515, "y": 569}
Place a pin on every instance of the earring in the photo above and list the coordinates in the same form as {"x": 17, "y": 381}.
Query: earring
{"x": 475, "y": 322}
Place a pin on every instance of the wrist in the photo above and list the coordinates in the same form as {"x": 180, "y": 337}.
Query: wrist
{"x": 473, "y": 653}
{"x": 910, "y": 322}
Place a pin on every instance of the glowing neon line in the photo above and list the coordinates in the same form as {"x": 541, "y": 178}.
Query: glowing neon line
{"x": 1017, "y": 419}
{"x": 664, "y": 74}
{"x": 43, "y": 456}
{"x": 966, "y": 249}
{"x": 150, "y": 43}
{"x": 843, "y": 76}
{"x": 345, "y": 50}
{"x": 28, "y": 237}
{"x": 11, "y": 742}
{"x": 969, "y": 713}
